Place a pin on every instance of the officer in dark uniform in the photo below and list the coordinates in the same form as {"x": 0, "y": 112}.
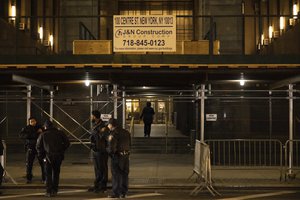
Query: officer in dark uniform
{"x": 147, "y": 116}
{"x": 119, "y": 142}
{"x": 30, "y": 134}
{"x": 98, "y": 141}
{"x": 51, "y": 146}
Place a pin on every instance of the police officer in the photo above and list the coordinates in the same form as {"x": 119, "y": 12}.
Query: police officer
{"x": 119, "y": 149}
{"x": 30, "y": 134}
{"x": 51, "y": 146}
{"x": 98, "y": 141}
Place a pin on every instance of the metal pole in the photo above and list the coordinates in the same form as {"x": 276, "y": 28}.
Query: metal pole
{"x": 91, "y": 105}
{"x": 290, "y": 128}
{"x": 124, "y": 109}
{"x": 28, "y": 106}
{"x": 270, "y": 116}
{"x": 166, "y": 131}
{"x": 51, "y": 105}
{"x": 115, "y": 92}
{"x": 202, "y": 112}
{"x": 196, "y": 117}
{"x": 170, "y": 113}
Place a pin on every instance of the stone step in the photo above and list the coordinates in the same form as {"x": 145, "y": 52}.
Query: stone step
{"x": 158, "y": 145}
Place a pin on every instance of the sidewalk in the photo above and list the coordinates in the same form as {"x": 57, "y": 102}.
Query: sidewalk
{"x": 149, "y": 170}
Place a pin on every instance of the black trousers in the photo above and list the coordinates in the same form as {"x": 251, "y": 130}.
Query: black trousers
{"x": 31, "y": 153}
{"x": 120, "y": 172}
{"x": 147, "y": 129}
{"x": 53, "y": 163}
{"x": 100, "y": 160}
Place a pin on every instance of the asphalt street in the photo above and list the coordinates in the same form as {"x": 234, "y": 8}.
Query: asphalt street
{"x": 159, "y": 194}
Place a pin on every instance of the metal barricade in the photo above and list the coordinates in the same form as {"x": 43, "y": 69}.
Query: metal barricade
{"x": 292, "y": 160}
{"x": 247, "y": 153}
{"x": 3, "y": 162}
{"x": 202, "y": 167}
{"x": 3, "y": 157}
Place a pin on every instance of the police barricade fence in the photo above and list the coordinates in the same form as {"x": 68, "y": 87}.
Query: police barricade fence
{"x": 202, "y": 167}
{"x": 247, "y": 154}
{"x": 294, "y": 147}
{"x": 3, "y": 157}
{"x": 3, "y": 163}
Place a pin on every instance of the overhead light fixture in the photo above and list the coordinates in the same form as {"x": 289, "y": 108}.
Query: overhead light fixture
{"x": 87, "y": 83}
{"x": 144, "y": 87}
{"x": 242, "y": 80}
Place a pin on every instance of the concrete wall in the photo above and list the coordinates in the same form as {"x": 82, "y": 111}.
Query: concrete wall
{"x": 229, "y": 30}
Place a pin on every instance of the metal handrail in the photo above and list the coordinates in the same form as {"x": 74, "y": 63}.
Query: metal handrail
{"x": 85, "y": 33}
{"x": 3, "y": 119}
{"x": 131, "y": 128}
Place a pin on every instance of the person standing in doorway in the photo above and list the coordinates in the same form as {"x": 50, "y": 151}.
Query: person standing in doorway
{"x": 98, "y": 147}
{"x": 147, "y": 116}
{"x": 51, "y": 146}
{"x": 119, "y": 143}
{"x": 30, "y": 134}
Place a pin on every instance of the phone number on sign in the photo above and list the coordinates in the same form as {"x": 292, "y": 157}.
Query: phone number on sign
{"x": 144, "y": 43}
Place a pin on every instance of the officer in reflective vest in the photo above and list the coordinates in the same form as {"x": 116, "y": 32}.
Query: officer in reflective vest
{"x": 119, "y": 143}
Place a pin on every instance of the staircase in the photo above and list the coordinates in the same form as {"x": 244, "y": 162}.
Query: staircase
{"x": 18, "y": 42}
{"x": 159, "y": 145}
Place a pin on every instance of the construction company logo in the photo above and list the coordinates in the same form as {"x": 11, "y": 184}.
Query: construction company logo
{"x": 144, "y": 33}
{"x": 119, "y": 33}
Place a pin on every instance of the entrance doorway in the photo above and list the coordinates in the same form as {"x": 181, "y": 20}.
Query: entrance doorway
{"x": 163, "y": 110}
{"x": 164, "y": 119}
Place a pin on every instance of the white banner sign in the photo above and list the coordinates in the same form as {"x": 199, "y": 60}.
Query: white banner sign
{"x": 211, "y": 117}
{"x": 106, "y": 117}
{"x": 141, "y": 33}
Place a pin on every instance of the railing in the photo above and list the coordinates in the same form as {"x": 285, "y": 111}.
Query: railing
{"x": 131, "y": 128}
{"x": 85, "y": 33}
{"x": 292, "y": 160}
{"x": 247, "y": 153}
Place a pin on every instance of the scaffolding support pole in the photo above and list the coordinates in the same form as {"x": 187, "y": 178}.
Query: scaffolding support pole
{"x": 169, "y": 111}
{"x": 196, "y": 115}
{"x": 51, "y": 105}
{"x": 91, "y": 105}
{"x": 202, "y": 98}
{"x": 124, "y": 109}
{"x": 291, "y": 103}
{"x": 115, "y": 93}
{"x": 28, "y": 103}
